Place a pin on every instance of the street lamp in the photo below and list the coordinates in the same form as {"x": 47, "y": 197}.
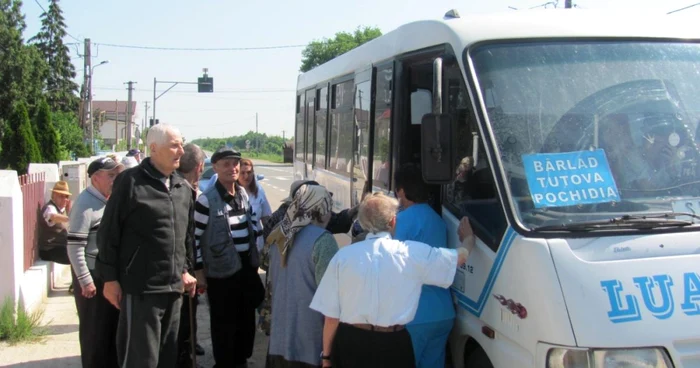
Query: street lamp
{"x": 90, "y": 121}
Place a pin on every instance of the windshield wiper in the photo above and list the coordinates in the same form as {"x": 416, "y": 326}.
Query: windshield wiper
{"x": 642, "y": 221}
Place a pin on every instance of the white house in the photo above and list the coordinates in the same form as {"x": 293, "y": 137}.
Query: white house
{"x": 113, "y": 115}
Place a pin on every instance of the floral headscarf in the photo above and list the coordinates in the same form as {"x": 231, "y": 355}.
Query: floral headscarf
{"x": 311, "y": 204}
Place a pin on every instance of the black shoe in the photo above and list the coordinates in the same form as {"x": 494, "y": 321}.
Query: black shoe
{"x": 198, "y": 349}
{"x": 70, "y": 289}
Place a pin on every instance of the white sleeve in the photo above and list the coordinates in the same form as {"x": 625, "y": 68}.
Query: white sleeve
{"x": 327, "y": 298}
{"x": 434, "y": 266}
{"x": 50, "y": 210}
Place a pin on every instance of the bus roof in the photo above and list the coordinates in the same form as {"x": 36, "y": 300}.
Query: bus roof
{"x": 532, "y": 24}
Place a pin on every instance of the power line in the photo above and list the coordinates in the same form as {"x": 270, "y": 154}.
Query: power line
{"x": 44, "y": 10}
{"x": 73, "y": 37}
{"x": 681, "y": 9}
{"x": 199, "y": 48}
{"x": 217, "y": 91}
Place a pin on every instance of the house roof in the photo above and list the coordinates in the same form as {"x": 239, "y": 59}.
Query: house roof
{"x": 114, "y": 106}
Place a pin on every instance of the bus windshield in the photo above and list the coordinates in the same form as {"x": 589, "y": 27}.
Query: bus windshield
{"x": 592, "y": 130}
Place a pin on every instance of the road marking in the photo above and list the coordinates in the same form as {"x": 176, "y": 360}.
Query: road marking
{"x": 275, "y": 169}
{"x": 283, "y": 177}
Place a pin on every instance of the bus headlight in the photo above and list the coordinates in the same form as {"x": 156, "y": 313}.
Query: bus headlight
{"x": 608, "y": 358}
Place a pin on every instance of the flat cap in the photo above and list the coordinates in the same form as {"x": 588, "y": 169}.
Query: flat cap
{"x": 225, "y": 152}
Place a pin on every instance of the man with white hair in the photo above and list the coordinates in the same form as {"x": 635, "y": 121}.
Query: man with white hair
{"x": 381, "y": 280}
{"x": 146, "y": 230}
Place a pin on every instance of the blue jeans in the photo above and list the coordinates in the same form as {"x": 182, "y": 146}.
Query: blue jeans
{"x": 429, "y": 341}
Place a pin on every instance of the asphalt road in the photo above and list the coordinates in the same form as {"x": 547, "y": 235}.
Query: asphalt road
{"x": 278, "y": 178}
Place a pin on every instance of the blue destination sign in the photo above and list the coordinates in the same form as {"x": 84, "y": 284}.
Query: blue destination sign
{"x": 571, "y": 178}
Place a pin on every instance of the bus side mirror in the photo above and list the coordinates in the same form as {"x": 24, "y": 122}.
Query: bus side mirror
{"x": 437, "y": 157}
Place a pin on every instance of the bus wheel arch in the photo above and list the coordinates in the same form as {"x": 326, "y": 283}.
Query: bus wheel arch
{"x": 475, "y": 356}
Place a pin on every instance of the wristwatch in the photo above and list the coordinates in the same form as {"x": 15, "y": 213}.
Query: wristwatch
{"x": 325, "y": 357}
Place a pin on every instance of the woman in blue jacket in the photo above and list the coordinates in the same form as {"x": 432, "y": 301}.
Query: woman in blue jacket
{"x": 417, "y": 221}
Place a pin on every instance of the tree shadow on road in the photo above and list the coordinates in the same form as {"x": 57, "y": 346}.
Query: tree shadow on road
{"x": 67, "y": 362}
{"x": 61, "y": 329}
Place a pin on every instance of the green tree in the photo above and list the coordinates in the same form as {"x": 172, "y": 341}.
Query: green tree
{"x": 22, "y": 70}
{"x": 71, "y": 136}
{"x": 60, "y": 87}
{"x": 320, "y": 51}
{"x": 20, "y": 147}
{"x": 47, "y": 135}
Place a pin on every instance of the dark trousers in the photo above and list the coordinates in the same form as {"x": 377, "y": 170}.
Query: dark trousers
{"x": 147, "y": 333}
{"x": 232, "y": 316}
{"x": 183, "y": 336}
{"x": 357, "y": 348}
{"x": 56, "y": 255}
{"x": 98, "y": 327}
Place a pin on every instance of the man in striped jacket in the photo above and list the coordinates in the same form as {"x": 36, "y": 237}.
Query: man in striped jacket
{"x": 98, "y": 318}
{"x": 227, "y": 261}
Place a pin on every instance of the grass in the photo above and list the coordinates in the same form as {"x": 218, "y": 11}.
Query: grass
{"x": 24, "y": 327}
{"x": 264, "y": 156}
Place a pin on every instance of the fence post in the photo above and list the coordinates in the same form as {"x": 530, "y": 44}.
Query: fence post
{"x": 11, "y": 235}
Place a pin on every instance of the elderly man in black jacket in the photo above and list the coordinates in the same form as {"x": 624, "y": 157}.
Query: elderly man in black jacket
{"x": 142, "y": 241}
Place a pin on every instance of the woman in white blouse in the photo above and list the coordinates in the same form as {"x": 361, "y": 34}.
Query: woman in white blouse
{"x": 258, "y": 200}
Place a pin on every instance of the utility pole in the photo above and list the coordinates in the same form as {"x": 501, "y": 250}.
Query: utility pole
{"x": 145, "y": 116}
{"x": 283, "y": 135}
{"x": 83, "y": 92}
{"x": 154, "y": 100}
{"x": 257, "y": 139}
{"x": 204, "y": 85}
{"x": 567, "y": 4}
{"x": 128, "y": 115}
{"x": 87, "y": 119}
{"x": 116, "y": 124}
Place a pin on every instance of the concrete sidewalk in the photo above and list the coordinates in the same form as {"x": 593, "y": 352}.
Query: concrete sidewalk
{"x": 60, "y": 347}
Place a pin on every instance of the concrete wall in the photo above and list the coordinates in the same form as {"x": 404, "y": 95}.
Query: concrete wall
{"x": 53, "y": 272}
{"x": 30, "y": 287}
{"x": 11, "y": 236}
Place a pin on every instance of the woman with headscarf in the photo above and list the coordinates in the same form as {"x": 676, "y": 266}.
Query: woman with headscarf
{"x": 300, "y": 250}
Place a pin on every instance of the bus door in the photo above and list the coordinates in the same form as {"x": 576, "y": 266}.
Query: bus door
{"x": 414, "y": 99}
{"x": 363, "y": 108}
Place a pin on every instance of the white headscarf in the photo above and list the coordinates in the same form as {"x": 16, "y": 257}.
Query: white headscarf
{"x": 311, "y": 204}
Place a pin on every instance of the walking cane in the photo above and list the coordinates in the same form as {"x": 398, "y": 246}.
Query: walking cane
{"x": 192, "y": 342}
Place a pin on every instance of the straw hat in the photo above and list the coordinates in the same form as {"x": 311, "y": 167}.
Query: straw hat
{"x": 61, "y": 187}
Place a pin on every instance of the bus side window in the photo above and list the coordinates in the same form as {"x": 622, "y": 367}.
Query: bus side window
{"x": 342, "y": 128}
{"x": 321, "y": 128}
{"x": 473, "y": 192}
{"x": 299, "y": 133}
{"x": 381, "y": 167}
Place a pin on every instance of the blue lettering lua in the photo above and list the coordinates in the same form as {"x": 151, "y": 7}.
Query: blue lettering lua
{"x": 619, "y": 312}
{"x": 647, "y": 285}
{"x": 691, "y": 302}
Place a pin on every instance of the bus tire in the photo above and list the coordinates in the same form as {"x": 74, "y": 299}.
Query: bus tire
{"x": 478, "y": 359}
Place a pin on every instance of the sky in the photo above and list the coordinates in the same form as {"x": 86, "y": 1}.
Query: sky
{"x": 246, "y": 82}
